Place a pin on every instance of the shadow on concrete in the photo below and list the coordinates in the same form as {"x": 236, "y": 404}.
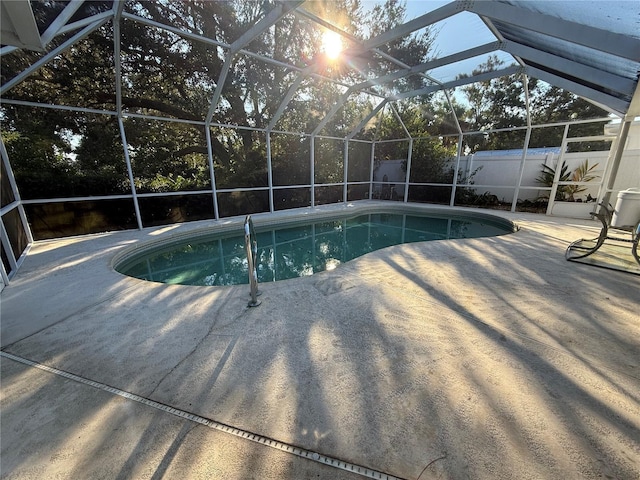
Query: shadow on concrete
{"x": 486, "y": 358}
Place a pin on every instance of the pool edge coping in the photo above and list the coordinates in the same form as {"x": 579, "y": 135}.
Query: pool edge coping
{"x": 292, "y": 216}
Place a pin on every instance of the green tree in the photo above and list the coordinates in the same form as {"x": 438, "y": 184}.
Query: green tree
{"x": 500, "y": 104}
{"x": 551, "y": 104}
{"x": 165, "y": 74}
{"x": 494, "y": 104}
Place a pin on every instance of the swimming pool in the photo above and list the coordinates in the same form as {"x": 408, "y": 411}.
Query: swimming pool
{"x": 292, "y": 249}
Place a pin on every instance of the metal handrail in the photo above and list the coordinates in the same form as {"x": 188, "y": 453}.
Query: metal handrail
{"x": 251, "y": 246}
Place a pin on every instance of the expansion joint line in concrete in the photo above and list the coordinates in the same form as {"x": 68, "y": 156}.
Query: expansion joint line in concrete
{"x": 247, "y": 435}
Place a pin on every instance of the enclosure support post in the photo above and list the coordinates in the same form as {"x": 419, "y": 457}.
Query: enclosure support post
{"x": 127, "y": 159}
{"x": 527, "y": 138}
{"x": 123, "y": 135}
{"x": 556, "y": 178}
{"x": 117, "y": 61}
{"x": 452, "y": 200}
{"x": 312, "y": 161}
{"x": 269, "y": 172}
{"x": 408, "y": 172}
{"x": 5, "y": 277}
{"x": 373, "y": 151}
{"x": 346, "y": 170}
{"x": 14, "y": 189}
{"x": 622, "y": 139}
{"x": 523, "y": 163}
{"x": 212, "y": 173}
{"x": 4, "y": 238}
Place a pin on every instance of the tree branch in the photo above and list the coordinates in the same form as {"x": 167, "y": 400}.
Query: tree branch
{"x": 151, "y": 104}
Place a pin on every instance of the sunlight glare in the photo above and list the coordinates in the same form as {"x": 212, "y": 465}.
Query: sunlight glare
{"x": 331, "y": 44}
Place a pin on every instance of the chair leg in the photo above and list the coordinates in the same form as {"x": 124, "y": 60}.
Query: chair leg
{"x": 599, "y": 241}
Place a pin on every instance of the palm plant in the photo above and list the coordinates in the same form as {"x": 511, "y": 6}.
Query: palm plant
{"x": 582, "y": 173}
{"x": 548, "y": 174}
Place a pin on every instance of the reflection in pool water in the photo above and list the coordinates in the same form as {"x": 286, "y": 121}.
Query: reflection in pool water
{"x": 299, "y": 250}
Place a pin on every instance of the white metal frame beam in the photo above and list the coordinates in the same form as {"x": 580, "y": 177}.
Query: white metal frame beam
{"x": 399, "y": 118}
{"x": 607, "y": 102}
{"x": 52, "y": 54}
{"x": 61, "y": 20}
{"x": 591, "y": 37}
{"x": 70, "y": 27}
{"x": 435, "y": 63}
{"x": 481, "y": 77}
{"x": 247, "y": 37}
{"x": 19, "y": 28}
{"x": 280, "y": 10}
{"x": 423, "y": 21}
{"x": 117, "y": 14}
{"x": 334, "y": 109}
{"x": 423, "y": 67}
{"x": 634, "y": 106}
{"x": 496, "y": 33}
{"x": 575, "y": 69}
{"x": 290, "y": 94}
{"x": 177, "y": 31}
{"x": 367, "y": 119}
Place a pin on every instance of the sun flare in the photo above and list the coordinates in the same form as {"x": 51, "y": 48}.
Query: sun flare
{"x": 331, "y": 44}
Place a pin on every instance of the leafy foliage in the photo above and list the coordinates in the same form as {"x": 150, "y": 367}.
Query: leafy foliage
{"x": 582, "y": 173}
{"x": 548, "y": 174}
{"x": 501, "y": 103}
{"x": 56, "y": 153}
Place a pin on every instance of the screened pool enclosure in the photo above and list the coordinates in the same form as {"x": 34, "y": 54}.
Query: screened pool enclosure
{"x": 129, "y": 114}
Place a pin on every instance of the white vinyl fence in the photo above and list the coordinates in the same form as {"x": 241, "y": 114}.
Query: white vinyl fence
{"x": 499, "y": 175}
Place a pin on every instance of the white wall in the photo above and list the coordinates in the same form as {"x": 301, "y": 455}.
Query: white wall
{"x": 392, "y": 169}
{"x": 499, "y": 175}
{"x": 492, "y": 173}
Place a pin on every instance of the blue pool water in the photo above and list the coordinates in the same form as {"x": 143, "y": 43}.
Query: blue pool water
{"x": 299, "y": 250}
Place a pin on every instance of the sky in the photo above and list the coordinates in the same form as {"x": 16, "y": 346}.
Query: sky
{"x": 449, "y": 36}
{"x": 454, "y": 34}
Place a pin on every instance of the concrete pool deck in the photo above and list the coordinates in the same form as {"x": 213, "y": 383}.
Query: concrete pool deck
{"x": 480, "y": 358}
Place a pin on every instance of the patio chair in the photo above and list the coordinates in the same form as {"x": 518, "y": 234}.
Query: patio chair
{"x": 585, "y": 247}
